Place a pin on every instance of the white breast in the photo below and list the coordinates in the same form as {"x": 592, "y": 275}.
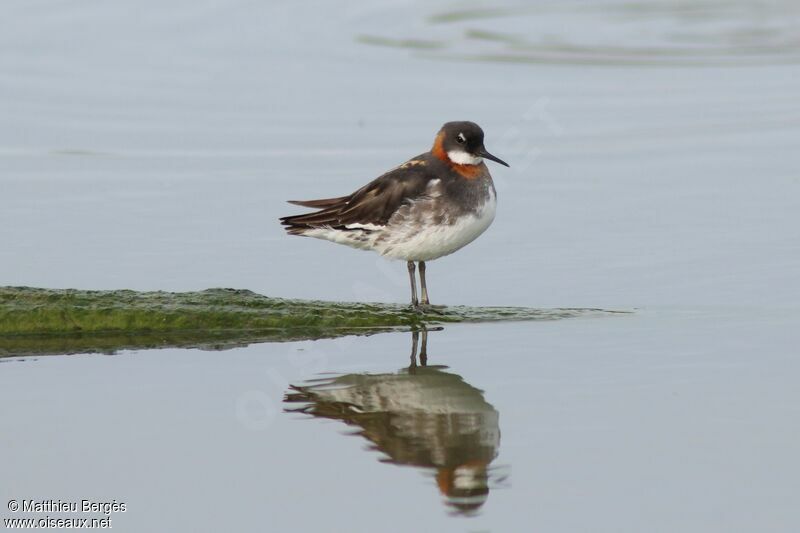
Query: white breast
{"x": 422, "y": 240}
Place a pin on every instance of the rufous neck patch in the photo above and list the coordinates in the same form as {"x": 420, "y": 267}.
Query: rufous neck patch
{"x": 469, "y": 172}
{"x": 438, "y": 148}
{"x": 465, "y": 171}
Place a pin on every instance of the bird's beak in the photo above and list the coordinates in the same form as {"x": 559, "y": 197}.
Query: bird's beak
{"x": 483, "y": 153}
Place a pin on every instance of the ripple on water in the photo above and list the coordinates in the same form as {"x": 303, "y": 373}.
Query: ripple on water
{"x": 614, "y": 32}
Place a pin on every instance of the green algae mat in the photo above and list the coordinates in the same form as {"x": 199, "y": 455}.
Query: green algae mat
{"x": 58, "y": 321}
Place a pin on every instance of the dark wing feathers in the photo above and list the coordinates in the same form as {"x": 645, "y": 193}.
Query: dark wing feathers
{"x": 325, "y": 202}
{"x": 374, "y": 203}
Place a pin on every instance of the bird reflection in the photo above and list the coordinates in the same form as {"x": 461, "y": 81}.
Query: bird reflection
{"x": 419, "y": 416}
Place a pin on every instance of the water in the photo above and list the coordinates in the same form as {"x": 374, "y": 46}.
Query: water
{"x": 654, "y": 167}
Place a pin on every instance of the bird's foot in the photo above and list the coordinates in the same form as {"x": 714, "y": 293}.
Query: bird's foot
{"x": 427, "y": 308}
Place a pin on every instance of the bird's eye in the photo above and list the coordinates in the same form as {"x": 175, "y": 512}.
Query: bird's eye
{"x": 461, "y": 139}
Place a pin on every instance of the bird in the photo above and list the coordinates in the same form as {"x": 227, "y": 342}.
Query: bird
{"x": 420, "y": 416}
{"x": 426, "y": 208}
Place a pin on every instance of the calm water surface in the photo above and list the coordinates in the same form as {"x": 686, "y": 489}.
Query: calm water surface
{"x": 654, "y": 167}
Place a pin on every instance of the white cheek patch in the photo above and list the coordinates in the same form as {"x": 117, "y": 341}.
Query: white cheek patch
{"x": 460, "y": 157}
{"x": 466, "y": 478}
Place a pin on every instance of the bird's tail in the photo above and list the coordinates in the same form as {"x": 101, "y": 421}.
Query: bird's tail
{"x": 324, "y": 216}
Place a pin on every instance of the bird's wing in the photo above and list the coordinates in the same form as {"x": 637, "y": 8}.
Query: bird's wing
{"x": 371, "y": 205}
{"x": 322, "y": 203}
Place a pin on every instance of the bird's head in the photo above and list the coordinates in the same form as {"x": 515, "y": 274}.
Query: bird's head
{"x": 461, "y": 143}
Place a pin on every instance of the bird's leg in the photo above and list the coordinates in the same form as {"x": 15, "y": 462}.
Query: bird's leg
{"x": 423, "y": 349}
{"x": 423, "y": 285}
{"x": 414, "y": 339}
{"x": 413, "y": 278}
